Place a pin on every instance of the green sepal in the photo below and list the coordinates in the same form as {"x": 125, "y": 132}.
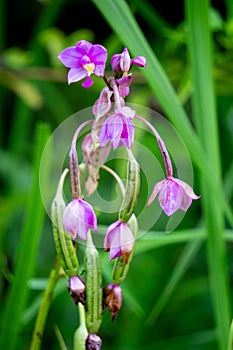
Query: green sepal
{"x": 132, "y": 189}
{"x": 63, "y": 242}
{"x": 94, "y": 292}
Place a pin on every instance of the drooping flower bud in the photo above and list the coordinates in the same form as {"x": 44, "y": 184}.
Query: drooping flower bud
{"x": 174, "y": 194}
{"x": 139, "y": 61}
{"x": 119, "y": 240}
{"x": 76, "y": 288}
{"x": 113, "y": 299}
{"x": 78, "y": 218}
{"x": 122, "y": 63}
{"x": 94, "y": 158}
{"x": 125, "y": 61}
{"x": 93, "y": 342}
{"x": 103, "y": 104}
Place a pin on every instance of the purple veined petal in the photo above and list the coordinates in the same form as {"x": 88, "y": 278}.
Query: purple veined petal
{"x": 83, "y": 47}
{"x": 114, "y": 240}
{"x": 155, "y": 191}
{"x": 103, "y": 105}
{"x": 125, "y": 60}
{"x": 128, "y": 112}
{"x": 98, "y": 54}
{"x": 88, "y": 82}
{"x": 170, "y": 197}
{"x": 103, "y": 137}
{"x": 187, "y": 188}
{"x": 186, "y": 202}
{"x": 127, "y": 134}
{"x": 76, "y": 74}
{"x": 99, "y": 70}
{"x": 70, "y": 57}
{"x": 89, "y": 215}
{"x": 124, "y": 91}
{"x": 126, "y": 241}
{"x": 114, "y": 130}
{"x": 78, "y": 218}
{"x": 112, "y": 237}
{"x": 115, "y": 63}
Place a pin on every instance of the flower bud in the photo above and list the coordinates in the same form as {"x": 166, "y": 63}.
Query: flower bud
{"x": 93, "y": 342}
{"x": 76, "y": 288}
{"x": 125, "y": 61}
{"x": 139, "y": 61}
{"x": 113, "y": 299}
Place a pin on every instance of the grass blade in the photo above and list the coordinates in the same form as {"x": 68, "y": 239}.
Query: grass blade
{"x": 27, "y": 253}
{"x": 207, "y": 126}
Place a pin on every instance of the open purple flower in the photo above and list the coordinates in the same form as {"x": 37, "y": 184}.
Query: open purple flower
{"x": 119, "y": 240}
{"x": 78, "y": 218}
{"x": 83, "y": 60}
{"x": 174, "y": 194}
{"x": 122, "y": 63}
{"x": 118, "y": 128}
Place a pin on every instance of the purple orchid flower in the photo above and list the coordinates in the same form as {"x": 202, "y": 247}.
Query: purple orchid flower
{"x": 122, "y": 63}
{"x": 119, "y": 240}
{"x": 174, "y": 194}
{"x": 78, "y": 218}
{"x": 83, "y": 60}
{"x": 118, "y": 128}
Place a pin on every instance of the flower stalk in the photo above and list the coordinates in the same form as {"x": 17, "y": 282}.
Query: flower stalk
{"x": 64, "y": 245}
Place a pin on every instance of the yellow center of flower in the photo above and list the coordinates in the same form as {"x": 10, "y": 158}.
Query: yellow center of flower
{"x": 89, "y": 68}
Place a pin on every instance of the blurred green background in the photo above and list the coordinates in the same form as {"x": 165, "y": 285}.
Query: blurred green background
{"x": 168, "y": 302}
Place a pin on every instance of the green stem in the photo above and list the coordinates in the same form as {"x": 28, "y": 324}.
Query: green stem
{"x": 230, "y": 339}
{"x": 44, "y": 308}
{"x": 207, "y": 127}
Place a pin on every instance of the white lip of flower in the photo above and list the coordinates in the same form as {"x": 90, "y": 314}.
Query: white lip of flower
{"x": 89, "y": 68}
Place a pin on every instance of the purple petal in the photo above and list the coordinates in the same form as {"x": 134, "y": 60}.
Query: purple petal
{"x": 89, "y": 215}
{"x": 139, "y": 61}
{"x": 186, "y": 202}
{"x": 128, "y": 133}
{"x": 104, "y": 139}
{"x": 126, "y": 241}
{"x": 155, "y": 191}
{"x": 70, "y": 57}
{"x": 188, "y": 189}
{"x": 125, "y": 60}
{"x": 115, "y": 63}
{"x": 83, "y": 47}
{"x": 170, "y": 197}
{"x": 76, "y": 74}
{"x": 112, "y": 238}
{"x": 114, "y": 129}
{"x": 78, "y": 218}
{"x": 99, "y": 70}
{"x": 87, "y": 83}
{"x": 103, "y": 105}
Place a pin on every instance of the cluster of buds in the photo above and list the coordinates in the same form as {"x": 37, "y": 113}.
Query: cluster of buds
{"x": 112, "y": 127}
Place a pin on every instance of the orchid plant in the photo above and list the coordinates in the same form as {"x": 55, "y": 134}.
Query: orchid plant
{"x": 112, "y": 127}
